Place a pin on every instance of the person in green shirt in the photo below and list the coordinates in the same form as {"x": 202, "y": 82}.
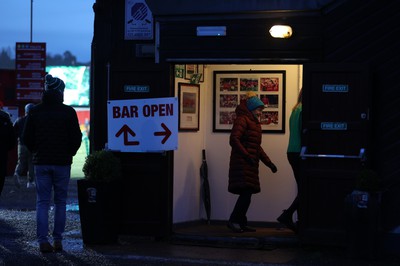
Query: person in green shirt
{"x": 293, "y": 155}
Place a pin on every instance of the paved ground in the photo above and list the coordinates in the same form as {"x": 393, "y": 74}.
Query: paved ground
{"x": 18, "y": 245}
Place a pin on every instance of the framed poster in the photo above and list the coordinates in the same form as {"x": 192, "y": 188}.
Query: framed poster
{"x": 194, "y": 73}
{"x": 189, "y": 71}
{"x": 230, "y": 87}
{"x": 189, "y": 104}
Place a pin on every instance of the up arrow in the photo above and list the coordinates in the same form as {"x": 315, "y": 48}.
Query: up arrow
{"x": 127, "y": 130}
{"x": 165, "y": 133}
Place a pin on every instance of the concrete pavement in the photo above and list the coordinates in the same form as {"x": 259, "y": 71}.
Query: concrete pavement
{"x": 18, "y": 244}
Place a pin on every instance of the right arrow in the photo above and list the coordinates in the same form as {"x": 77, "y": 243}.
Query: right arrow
{"x": 165, "y": 133}
{"x": 125, "y": 129}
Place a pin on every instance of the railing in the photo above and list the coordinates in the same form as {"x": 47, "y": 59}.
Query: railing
{"x": 304, "y": 155}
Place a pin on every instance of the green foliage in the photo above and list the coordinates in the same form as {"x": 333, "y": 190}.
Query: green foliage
{"x": 368, "y": 180}
{"x": 102, "y": 166}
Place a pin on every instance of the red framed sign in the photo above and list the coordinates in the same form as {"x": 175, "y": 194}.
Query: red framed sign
{"x": 30, "y": 66}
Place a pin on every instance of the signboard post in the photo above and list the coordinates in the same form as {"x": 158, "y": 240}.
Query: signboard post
{"x": 145, "y": 125}
{"x": 30, "y": 66}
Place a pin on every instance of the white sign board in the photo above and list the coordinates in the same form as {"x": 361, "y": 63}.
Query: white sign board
{"x": 145, "y": 125}
{"x": 138, "y": 20}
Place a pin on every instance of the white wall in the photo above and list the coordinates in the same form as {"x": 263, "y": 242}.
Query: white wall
{"x": 277, "y": 190}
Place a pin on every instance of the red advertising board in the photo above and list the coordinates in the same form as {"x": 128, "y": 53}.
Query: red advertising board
{"x": 30, "y": 66}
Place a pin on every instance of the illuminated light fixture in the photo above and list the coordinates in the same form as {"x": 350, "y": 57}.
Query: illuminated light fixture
{"x": 281, "y": 31}
{"x": 211, "y": 31}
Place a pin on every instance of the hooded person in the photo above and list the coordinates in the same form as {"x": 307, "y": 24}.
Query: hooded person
{"x": 53, "y": 135}
{"x": 245, "y": 140}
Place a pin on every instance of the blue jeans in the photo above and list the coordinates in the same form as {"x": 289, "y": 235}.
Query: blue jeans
{"x": 48, "y": 178}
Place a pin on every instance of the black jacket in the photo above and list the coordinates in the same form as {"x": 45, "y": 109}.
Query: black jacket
{"x": 8, "y": 140}
{"x": 8, "y": 137}
{"x": 52, "y": 132}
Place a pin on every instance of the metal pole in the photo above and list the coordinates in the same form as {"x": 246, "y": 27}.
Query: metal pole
{"x": 31, "y": 18}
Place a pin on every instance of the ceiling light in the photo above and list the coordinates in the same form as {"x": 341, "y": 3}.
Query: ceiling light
{"x": 281, "y": 31}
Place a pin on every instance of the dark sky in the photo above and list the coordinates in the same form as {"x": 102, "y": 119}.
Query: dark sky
{"x": 62, "y": 24}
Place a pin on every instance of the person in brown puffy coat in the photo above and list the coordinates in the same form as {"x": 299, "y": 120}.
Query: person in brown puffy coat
{"x": 245, "y": 140}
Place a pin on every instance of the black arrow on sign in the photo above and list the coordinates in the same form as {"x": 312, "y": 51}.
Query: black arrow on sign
{"x": 127, "y": 130}
{"x": 165, "y": 133}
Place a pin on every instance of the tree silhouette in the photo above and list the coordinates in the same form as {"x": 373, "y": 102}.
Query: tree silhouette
{"x": 56, "y": 60}
{"x": 5, "y": 59}
{"x": 67, "y": 59}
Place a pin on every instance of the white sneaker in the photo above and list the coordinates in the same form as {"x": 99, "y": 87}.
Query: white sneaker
{"x": 30, "y": 185}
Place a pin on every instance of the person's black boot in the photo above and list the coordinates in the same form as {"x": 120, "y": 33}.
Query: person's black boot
{"x": 246, "y": 228}
{"x": 286, "y": 219}
{"x": 235, "y": 227}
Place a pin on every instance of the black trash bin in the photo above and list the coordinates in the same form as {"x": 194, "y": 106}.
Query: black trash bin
{"x": 363, "y": 224}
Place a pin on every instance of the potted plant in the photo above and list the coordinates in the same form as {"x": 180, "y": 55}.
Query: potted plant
{"x": 98, "y": 197}
{"x": 368, "y": 180}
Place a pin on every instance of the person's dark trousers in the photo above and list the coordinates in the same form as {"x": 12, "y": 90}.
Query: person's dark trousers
{"x": 239, "y": 211}
{"x": 2, "y": 181}
{"x": 3, "y": 170}
{"x": 294, "y": 161}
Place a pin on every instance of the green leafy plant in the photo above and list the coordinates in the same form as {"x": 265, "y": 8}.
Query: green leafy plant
{"x": 103, "y": 166}
{"x": 368, "y": 180}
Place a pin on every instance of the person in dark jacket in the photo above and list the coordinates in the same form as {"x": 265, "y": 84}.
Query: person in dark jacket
{"x": 245, "y": 140}
{"x": 53, "y": 135}
{"x": 24, "y": 163}
{"x": 8, "y": 139}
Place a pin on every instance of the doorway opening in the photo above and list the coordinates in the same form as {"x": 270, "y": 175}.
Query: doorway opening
{"x": 277, "y": 190}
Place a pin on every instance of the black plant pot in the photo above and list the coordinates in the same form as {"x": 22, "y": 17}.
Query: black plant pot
{"x": 99, "y": 211}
